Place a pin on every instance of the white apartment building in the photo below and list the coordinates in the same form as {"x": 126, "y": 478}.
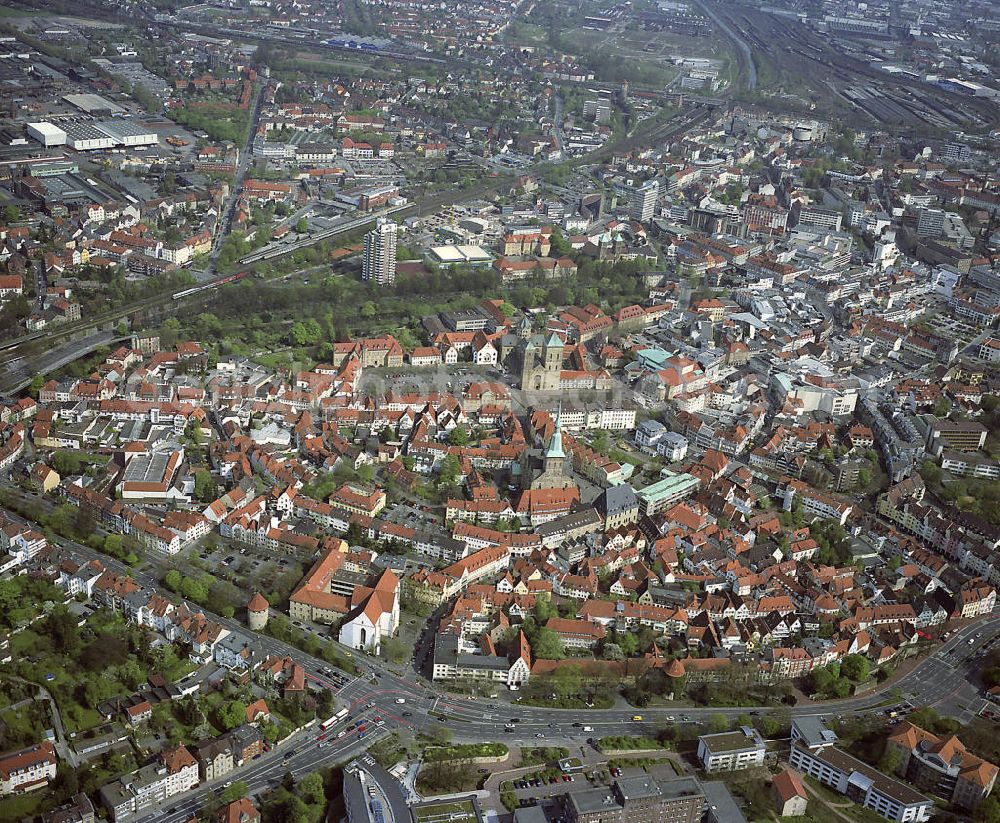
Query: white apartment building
{"x": 731, "y": 751}
{"x": 379, "y": 262}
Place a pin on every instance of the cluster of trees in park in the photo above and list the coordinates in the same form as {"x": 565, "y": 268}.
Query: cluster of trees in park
{"x": 738, "y": 686}
{"x": 21, "y": 598}
{"x": 106, "y": 657}
{"x": 143, "y": 96}
{"x": 117, "y": 290}
{"x": 302, "y": 800}
{"x": 359, "y": 18}
{"x": 443, "y": 775}
{"x": 838, "y": 679}
{"x": 12, "y": 313}
{"x": 75, "y": 522}
{"x": 573, "y": 685}
{"x": 206, "y": 590}
{"x": 830, "y": 536}
{"x": 262, "y": 315}
{"x": 220, "y": 121}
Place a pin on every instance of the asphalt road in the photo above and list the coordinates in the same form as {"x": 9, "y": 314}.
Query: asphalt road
{"x": 943, "y": 680}
{"x": 940, "y": 680}
{"x": 243, "y": 165}
{"x": 18, "y": 372}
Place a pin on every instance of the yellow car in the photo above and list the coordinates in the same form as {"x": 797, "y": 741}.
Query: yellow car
{"x": 636, "y": 717}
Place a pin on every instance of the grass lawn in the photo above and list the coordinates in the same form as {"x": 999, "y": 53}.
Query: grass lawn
{"x": 18, "y": 724}
{"x": 527, "y": 34}
{"x": 460, "y": 751}
{"x": 451, "y": 812}
{"x": 819, "y": 812}
{"x": 38, "y": 661}
{"x": 626, "y": 742}
{"x": 7, "y": 12}
{"x": 642, "y": 762}
{"x": 23, "y": 642}
{"x": 184, "y": 667}
{"x": 600, "y": 702}
{"x": 84, "y": 719}
{"x": 538, "y": 755}
{"x": 25, "y": 806}
{"x": 445, "y": 777}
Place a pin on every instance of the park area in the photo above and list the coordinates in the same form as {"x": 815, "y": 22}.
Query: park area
{"x": 456, "y": 811}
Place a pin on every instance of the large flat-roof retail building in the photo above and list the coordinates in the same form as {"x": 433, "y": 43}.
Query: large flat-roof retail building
{"x": 88, "y": 135}
{"x": 47, "y": 134}
{"x": 93, "y": 104}
{"x": 127, "y": 132}
{"x": 461, "y": 255}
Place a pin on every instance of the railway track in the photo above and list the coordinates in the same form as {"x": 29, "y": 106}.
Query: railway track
{"x": 796, "y": 49}
{"x": 21, "y": 348}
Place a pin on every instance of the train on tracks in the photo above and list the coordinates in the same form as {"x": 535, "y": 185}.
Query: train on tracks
{"x": 221, "y": 281}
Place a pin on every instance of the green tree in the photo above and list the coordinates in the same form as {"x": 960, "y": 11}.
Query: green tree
{"x": 306, "y": 333}
{"x": 718, "y": 722}
{"x": 204, "y": 486}
{"x": 890, "y": 760}
{"x": 449, "y": 471}
{"x": 629, "y": 644}
{"x": 612, "y": 651}
{"x": 547, "y": 645}
{"x": 234, "y": 792}
{"x": 172, "y": 580}
{"x": 437, "y": 736}
{"x": 114, "y": 545}
{"x": 394, "y": 649}
{"x": 987, "y": 811}
{"x": 544, "y": 609}
{"x": 232, "y": 714}
{"x": 189, "y": 712}
{"x": 310, "y": 789}
{"x": 769, "y": 726}
{"x": 856, "y": 667}
{"x": 271, "y": 732}
{"x": 302, "y": 226}
{"x": 601, "y": 441}
{"x": 66, "y": 463}
{"x": 11, "y": 214}
{"x": 61, "y": 628}
{"x": 458, "y": 436}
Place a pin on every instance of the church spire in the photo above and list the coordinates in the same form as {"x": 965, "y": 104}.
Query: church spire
{"x": 555, "y": 448}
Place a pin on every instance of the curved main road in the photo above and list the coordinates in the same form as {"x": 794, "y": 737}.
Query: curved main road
{"x": 940, "y": 680}
{"x": 937, "y": 680}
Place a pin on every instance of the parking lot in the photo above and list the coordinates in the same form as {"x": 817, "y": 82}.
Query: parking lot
{"x": 415, "y": 518}
{"x": 246, "y": 568}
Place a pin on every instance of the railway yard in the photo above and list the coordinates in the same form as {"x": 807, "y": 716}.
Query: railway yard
{"x": 836, "y": 73}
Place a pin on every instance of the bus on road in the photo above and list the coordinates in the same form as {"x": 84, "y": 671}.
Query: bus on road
{"x": 326, "y": 724}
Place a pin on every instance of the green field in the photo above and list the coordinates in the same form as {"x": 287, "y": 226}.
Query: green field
{"x": 442, "y": 812}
